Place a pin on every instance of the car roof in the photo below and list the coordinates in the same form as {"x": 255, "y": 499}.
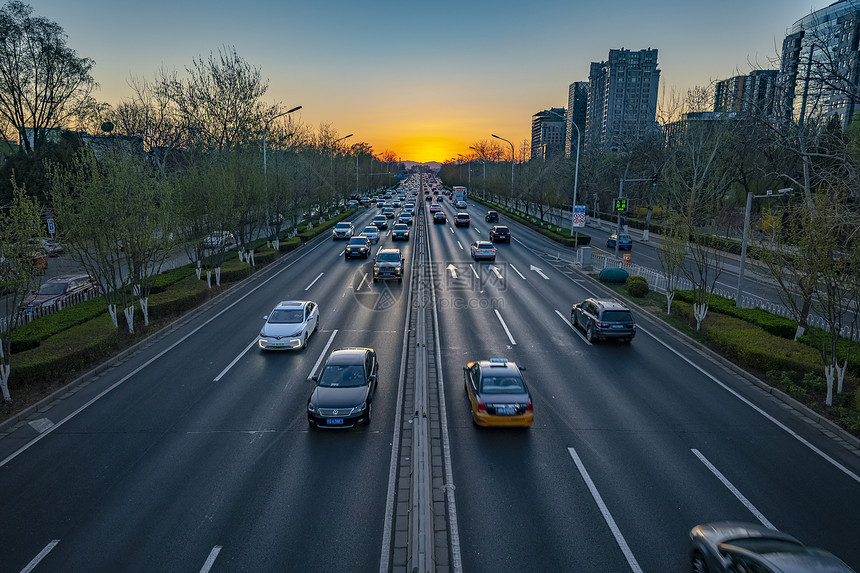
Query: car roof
{"x": 292, "y": 304}
{"x": 499, "y": 367}
{"x": 370, "y": 228}
{"x": 67, "y": 277}
{"x": 401, "y": 226}
{"x": 462, "y": 214}
{"x": 609, "y": 303}
{"x": 483, "y": 244}
{"x": 388, "y": 250}
{"x": 347, "y": 356}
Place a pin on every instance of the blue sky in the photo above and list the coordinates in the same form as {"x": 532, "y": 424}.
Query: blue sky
{"x": 425, "y": 80}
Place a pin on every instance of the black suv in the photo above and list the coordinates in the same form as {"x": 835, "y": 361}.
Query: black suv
{"x": 492, "y": 217}
{"x": 500, "y": 234}
{"x": 603, "y": 318}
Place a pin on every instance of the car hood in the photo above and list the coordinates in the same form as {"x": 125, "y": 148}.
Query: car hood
{"x": 281, "y": 330}
{"x": 40, "y": 300}
{"x": 328, "y": 397}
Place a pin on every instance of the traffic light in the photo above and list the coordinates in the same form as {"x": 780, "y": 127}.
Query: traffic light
{"x": 654, "y": 179}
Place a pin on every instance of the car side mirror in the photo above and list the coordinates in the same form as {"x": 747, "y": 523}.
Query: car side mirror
{"x": 315, "y": 378}
{"x": 266, "y": 317}
{"x": 371, "y": 378}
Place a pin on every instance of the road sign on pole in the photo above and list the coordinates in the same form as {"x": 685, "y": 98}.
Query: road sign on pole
{"x": 579, "y": 216}
{"x": 620, "y": 205}
{"x": 51, "y": 228}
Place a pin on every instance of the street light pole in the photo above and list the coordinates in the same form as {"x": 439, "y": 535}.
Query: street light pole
{"x": 512, "y": 162}
{"x": 332, "y": 149}
{"x": 576, "y": 169}
{"x": 266, "y": 128}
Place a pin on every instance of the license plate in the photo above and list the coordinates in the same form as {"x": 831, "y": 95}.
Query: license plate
{"x": 505, "y": 410}
{"x": 334, "y": 421}
{"x": 617, "y": 326}
{"x": 277, "y": 345}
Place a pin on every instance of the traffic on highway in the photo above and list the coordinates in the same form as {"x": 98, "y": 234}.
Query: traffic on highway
{"x": 429, "y": 387}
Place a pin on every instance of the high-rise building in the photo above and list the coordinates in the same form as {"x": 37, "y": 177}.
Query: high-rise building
{"x": 622, "y": 98}
{"x": 820, "y": 71}
{"x": 577, "y": 108}
{"x": 548, "y": 131}
{"x": 750, "y": 94}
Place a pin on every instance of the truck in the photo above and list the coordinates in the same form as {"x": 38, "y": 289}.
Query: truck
{"x": 459, "y": 194}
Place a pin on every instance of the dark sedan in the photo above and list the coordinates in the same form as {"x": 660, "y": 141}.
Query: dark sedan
{"x": 343, "y": 396}
{"x": 61, "y": 291}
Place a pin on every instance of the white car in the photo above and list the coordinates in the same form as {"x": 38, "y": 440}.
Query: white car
{"x": 434, "y": 207}
{"x": 460, "y": 204}
{"x": 342, "y": 230}
{"x": 372, "y": 233}
{"x": 219, "y": 239}
{"x": 289, "y": 325}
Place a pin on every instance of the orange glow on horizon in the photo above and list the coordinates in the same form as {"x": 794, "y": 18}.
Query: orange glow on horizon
{"x": 428, "y": 148}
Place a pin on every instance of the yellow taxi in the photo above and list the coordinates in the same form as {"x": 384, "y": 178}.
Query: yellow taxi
{"x": 498, "y": 394}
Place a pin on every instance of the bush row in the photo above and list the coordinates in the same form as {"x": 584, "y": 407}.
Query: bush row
{"x": 774, "y": 324}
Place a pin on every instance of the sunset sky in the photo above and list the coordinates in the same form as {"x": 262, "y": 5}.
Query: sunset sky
{"x": 425, "y": 80}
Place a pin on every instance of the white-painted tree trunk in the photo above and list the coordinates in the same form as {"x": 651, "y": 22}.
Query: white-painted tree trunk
{"x": 129, "y": 318}
{"x": 218, "y": 276}
{"x": 209, "y": 278}
{"x": 144, "y": 308}
{"x": 241, "y": 253}
{"x": 251, "y": 257}
{"x": 5, "y": 370}
{"x": 198, "y": 270}
{"x": 840, "y": 375}
{"x": 799, "y": 332}
{"x": 670, "y": 296}
{"x": 829, "y": 375}
{"x": 276, "y": 244}
{"x": 112, "y": 312}
{"x": 700, "y": 311}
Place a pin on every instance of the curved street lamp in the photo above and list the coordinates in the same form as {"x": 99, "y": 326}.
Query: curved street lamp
{"x": 512, "y": 162}
{"x": 576, "y": 169}
{"x": 484, "y": 164}
{"x": 266, "y": 128}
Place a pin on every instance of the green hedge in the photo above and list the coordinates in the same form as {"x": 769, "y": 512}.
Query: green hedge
{"x": 287, "y": 245}
{"x": 162, "y": 281}
{"x": 183, "y": 295}
{"x": 746, "y": 344}
{"x": 233, "y": 270}
{"x": 69, "y": 351}
{"x": 265, "y": 256}
{"x": 30, "y": 335}
{"x": 774, "y": 324}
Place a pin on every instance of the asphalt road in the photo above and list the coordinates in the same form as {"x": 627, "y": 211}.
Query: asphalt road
{"x": 194, "y": 454}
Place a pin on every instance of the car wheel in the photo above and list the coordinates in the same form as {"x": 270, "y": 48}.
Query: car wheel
{"x": 369, "y": 414}
{"x": 317, "y": 325}
{"x": 574, "y": 320}
{"x": 400, "y": 279}
{"x": 589, "y": 332}
{"x": 697, "y": 563}
{"x": 305, "y": 343}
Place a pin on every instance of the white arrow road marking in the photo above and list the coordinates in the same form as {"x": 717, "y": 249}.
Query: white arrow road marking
{"x": 473, "y": 271}
{"x": 535, "y": 269}
{"x": 734, "y": 490}
{"x": 505, "y": 326}
{"x": 518, "y": 272}
{"x": 496, "y": 271}
{"x": 41, "y": 425}
{"x": 619, "y": 539}
{"x": 453, "y": 270}
{"x": 315, "y": 280}
{"x": 567, "y": 322}
{"x": 32, "y": 564}
{"x": 322, "y": 354}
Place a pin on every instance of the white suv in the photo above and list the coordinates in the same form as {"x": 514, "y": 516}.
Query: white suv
{"x": 343, "y": 230}
{"x": 289, "y": 325}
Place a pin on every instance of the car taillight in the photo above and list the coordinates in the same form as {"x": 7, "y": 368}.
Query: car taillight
{"x": 481, "y": 406}
{"x": 529, "y": 407}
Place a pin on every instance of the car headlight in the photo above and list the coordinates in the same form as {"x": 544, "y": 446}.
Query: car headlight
{"x": 359, "y": 409}
{"x": 311, "y": 407}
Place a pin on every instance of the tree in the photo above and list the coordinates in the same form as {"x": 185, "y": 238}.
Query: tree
{"x": 19, "y": 270}
{"x": 672, "y": 255}
{"x": 43, "y": 82}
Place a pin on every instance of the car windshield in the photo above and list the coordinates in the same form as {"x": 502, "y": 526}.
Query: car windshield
{"x": 286, "y": 316}
{"x": 502, "y": 385}
{"x": 617, "y": 316}
{"x": 501, "y": 229}
{"x": 370, "y": 230}
{"x": 401, "y": 228}
{"x": 52, "y": 288}
{"x": 763, "y": 545}
{"x": 388, "y": 258}
{"x": 343, "y": 376}
{"x": 360, "y": 241}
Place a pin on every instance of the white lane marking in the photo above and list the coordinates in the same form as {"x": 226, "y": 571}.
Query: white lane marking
{"x": 734, "y": 490}
{"x": 210, "y": 561}
{"x": 322, "y": 354}
{"x": 363, "y": 278}
{"x": 538, "y": 271}
{"x": 235, "y": 360}
{"x": 572, "y": 327}
{"x": 32, "y": 564}
{"x": 122, "y": 380}
{"x": 476, "y": 230}
{"x": 619, "y": 539}
{"x": 779, "y": 424}
{"x": 459, "y": 245}
{"x": 452, "y": 228}
{"x": 520, "y": 242}
{"x": 314, "y": 281}
{"x": 341, "y": 253}
{"x": 516, "y": 271}
{"x": 505, "y": 326}
{"x": 471, "y": 266}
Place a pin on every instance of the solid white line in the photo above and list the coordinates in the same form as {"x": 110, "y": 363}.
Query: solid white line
{"x": 474, "y": 272}
{"x": 459, "y": 245}
{"x": 779, "y": 424}
{"x": 211, "y": 559}
{"x": 314, "y": 282}
{"x": 505, "y": 326}
{"x": 619, "y": 539}
{"x": 518, "y": 272}
{"x": 32, "y": 564}
{"x": 235, "y": 360}
{"x": 520, "y": 242}
{"x": 341, "y": 253}
{"x": 573, "y": 328}
{"x": 322, "y": 354}
{"x": 734, "y": 490}
{"x": 363, "y": 278}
